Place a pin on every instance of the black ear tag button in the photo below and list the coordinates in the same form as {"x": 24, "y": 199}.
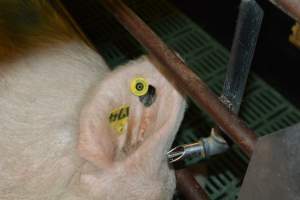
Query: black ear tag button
{"x": 149, "y": 98}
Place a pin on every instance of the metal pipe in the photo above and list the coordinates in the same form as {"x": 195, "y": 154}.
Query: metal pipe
{"x": 290, "y": 7}
{"x": 177, "y": 72}
{"x": 203, "y": 149}
{"x": 187, "y": 185}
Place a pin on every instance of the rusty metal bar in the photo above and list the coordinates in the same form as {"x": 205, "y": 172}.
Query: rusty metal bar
{"x": 187, "y": 185}
{"x": 177, "y": 72}
{"x": 290, "y": 7}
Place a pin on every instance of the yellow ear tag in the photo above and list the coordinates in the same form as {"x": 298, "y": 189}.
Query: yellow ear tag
{"x": 139, "y": 86}
{"x": 118, "y": 119}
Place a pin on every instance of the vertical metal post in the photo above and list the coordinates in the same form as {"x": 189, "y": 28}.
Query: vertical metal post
{"x": 183, "y": 77}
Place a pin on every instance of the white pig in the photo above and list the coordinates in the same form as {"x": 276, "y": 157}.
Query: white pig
{"x": 56, "y": 94}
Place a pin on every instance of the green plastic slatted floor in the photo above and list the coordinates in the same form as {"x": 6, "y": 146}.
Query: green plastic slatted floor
{"x": 263, "y": 108}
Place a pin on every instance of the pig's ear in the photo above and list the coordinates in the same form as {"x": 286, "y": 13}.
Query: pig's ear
{"x": 142, "y": 130}
{"x": 152, "y": 152}
{"x": 95, "y": 142}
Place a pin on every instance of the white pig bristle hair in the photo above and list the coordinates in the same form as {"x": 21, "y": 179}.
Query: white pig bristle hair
{"x": 45, "y": 75}
{"x": 56, "y": 98}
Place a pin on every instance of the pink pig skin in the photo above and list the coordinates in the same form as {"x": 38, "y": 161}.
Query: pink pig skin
{"x": 138, "y": 157}
{"x": 56, "y": 94}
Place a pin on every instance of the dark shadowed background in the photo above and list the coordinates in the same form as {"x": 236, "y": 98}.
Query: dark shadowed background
{"x": 276, "y": 60}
